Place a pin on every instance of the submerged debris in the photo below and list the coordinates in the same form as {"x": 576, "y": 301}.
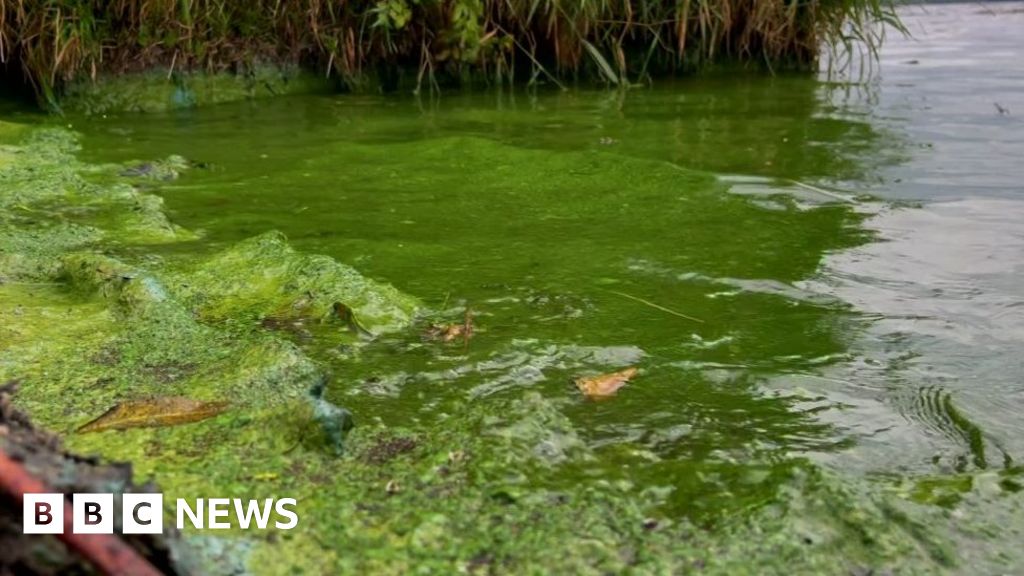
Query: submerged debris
{"x": 388, "y": 448}
{"x": 333, "y": 419}
{"x": 163, "y": 170}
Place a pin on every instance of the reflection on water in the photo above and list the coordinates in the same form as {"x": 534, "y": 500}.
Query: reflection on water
{"x": 944, "y": 279}
{"x": 946, "y": 284}
{"x": 935, "y": 385}
{"x": 956, "y": 91}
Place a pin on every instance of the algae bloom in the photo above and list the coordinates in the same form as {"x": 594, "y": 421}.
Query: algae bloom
{"x": 226, "y": 370}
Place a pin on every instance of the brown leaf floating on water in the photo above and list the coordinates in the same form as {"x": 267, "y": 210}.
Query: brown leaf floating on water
{"x": 154, "y": 412}
{"x": 449, "y": 332}
{"x": 606, "y": 384}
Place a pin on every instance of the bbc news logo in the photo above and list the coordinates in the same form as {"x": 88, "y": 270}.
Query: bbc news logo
{"x": 143, "y": 513}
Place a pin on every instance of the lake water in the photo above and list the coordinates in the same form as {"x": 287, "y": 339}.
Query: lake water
{"x": 850, "y": 246}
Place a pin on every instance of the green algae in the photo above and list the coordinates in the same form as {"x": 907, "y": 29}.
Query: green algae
{"x": 279, "y": 281}
{"x": 158, "y": 90}
{"x": 49, "y": 207}
{"x": 93, "y": 330}
{"x": 491, "y": 482}
{"x": 461, "y": 501}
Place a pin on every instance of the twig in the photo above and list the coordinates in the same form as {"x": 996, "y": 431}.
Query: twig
{"x": 532, "y": 59}
{"x": 467, "y": 329}
{"x": 655, "y": 306}
{"x": 170, "y": 71}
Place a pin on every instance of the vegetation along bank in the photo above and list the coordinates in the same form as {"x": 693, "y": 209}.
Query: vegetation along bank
{"x": 59, "y": 48}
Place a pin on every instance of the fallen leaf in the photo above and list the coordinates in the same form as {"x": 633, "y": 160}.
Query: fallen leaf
{"x": 457, "y": 330}
{"x": 154, "y": 412}
{"x": 449, "y": 332}
{"x": 605, "y": 384}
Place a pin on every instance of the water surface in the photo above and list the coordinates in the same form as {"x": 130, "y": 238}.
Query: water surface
{"x": 851, "y": 249}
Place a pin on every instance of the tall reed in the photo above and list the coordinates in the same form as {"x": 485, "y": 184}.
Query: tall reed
{"x": 56, "y": 41}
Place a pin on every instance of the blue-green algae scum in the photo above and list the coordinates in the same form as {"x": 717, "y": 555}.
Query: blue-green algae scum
{"x": 818, "y": 279}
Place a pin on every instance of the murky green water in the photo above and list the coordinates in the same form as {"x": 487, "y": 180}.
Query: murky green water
{"x": 521, "y": 213}
{"x": 851, "y": 252}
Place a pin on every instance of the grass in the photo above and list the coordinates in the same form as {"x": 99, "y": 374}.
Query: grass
{"x": 54, "y": 42}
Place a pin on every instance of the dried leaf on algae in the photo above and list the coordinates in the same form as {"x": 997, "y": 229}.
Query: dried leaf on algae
{"x": 449, "y": 332}
{"x": 154, "y": 412}
{"x": 605, "y": 384}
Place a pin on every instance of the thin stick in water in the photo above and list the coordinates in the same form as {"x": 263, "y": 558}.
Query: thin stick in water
{"x": 656, "y": 306}
{"x": 823, "y": 192}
